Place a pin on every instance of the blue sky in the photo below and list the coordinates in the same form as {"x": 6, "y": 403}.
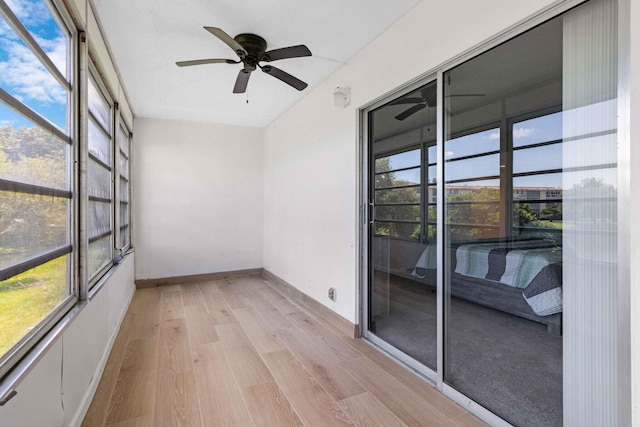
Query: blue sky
{"x": 22, "y": 74}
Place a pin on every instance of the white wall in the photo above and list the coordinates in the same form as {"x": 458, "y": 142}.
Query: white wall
{"x": 197, "y": 198}
{"x": 311, "y": 168}
{"x": 59, "y": 389}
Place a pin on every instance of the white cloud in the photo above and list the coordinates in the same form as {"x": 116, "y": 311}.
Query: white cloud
{"x": 522, "y": 132}
{"x": 449, "y": 153}
{"x": 494, "y": 135}
{"x": 6, "y": 123}
{"x": 25, "y": 77}
{"x": 29, "y": 12}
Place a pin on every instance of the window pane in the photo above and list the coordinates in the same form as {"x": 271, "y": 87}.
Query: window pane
{"x": 398, "y": 195}
{"x": 23, "y": 76}
{"x": 26, "y": 299}
{"x": 31, "y": 225}
{"x": 123, "y": 166}
{"x": 400, "y": 230}
{"x": 99, "y": 107}
{"x": 99, "y": 218}
{"x": 476, "y": 167}
{"x": 99, "y": 184}
{"x": 99, "y": 144}
{"x": 30, "y": 155}
{"x": 99, "y": 254}
{"x": 394, "y": 179}
{"x": 405, "y": 213}
{"x": 398, "y": 161}
{"x": 124, "y": 237}
{"x": 123, "y": 141}
{"x": 124, "y": 190}
{"x": 33, "y": 156}
{"x": 475, "y": 143}
{"x": 124, "y": 213}
{"x": 37, "y": 18}
{"x": 533, "y": 159}
{"x": 540, "y": 129}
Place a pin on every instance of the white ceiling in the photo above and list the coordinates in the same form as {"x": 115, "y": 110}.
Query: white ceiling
{"x": 147, "y": 37}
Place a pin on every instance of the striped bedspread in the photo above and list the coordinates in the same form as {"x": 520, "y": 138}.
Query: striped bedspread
{"x": 535, "y": 266}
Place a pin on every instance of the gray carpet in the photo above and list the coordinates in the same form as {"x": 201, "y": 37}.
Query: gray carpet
{"x": 509, "y": 365}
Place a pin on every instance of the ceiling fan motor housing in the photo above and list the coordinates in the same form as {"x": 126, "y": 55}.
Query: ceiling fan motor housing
{"x": 255, "y": 46}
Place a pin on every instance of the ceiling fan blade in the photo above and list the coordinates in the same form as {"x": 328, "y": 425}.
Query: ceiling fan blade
{"x": 407, "y": 101}
{"x": 285, "y": 77}
{"x": 242, "y": 81}
{"x": 286, "y": 52}
{"x": 411, "y": 111}
{"x": 206, "y": 61}
{"x": 230, "y": 41}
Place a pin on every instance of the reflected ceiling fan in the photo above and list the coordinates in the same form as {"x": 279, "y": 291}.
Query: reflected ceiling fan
{"x": 427, "y": 99}
{"x": 251, "y": 50}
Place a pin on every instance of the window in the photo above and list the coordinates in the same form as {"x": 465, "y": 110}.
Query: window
{"x": 37, "y": 193}
{"x": 397, "y": 195}
{"x": 99, "y": 181}
{"x": 123, "y": 214}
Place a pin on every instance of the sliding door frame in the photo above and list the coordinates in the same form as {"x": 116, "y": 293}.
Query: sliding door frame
{"x": 365, "y": 220}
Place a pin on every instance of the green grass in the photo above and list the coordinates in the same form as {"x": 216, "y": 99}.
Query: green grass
{"x": 28, "y": 298}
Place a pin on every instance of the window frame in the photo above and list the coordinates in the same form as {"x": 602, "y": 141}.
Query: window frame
{"x": 122, "y": 125}
{"x": 94, "y": 278}
{"x": 10, "y": 360}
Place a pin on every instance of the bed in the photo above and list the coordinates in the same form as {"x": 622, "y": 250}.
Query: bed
{"x": 519, "y": 277}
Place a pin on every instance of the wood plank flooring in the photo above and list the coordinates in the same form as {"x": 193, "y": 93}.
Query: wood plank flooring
{"x": 239, "y": 353}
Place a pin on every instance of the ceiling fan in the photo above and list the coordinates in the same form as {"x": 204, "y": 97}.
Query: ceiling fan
{"x": 251, "y": 50}
{"x": 427, "y": 99}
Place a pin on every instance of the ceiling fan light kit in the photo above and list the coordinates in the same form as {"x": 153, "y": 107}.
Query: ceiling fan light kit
{"x": 252, "y": 50}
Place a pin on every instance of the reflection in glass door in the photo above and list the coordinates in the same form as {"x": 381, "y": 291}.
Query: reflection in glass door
{"x": 529, "y": 189}
{"x": 515, "y": 306}
{"x": 402, "y": 292}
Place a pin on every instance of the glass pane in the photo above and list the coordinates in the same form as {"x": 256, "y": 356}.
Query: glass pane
{"x": 124, "y": 190}
{"x": 540, "y": 129}
{"x": 99, "y": 218}
{"x": 394, "y": 179}
{"x": 124, "y": 214}
{"x": 124, "y": 237}
{"x": 398, "y": 229}
{"x": 502, "y": 349}
{"x": 432, "y": 155}
{"x": 530, "y": 159}
{"x": 123, "y": 141}
{"x": 123, "y": 166}
{"x": 31, "y": 155}
{"x": 99, "y": 107}
{"x": 99, "y": 254}
{"x": 398, "y": 195}
{"x": 476, "y": 167}
{"x": 31, "y": 225}
{"x": 475, "y": 143}
{"x": 398, "y": 161}
{"x": 99, "y": 184}
{"x": 26, "y": 299}
{"x": 37, "y": 18}
{"x": 99, "y": 144}
{"x": 23, "y": 76}
{"x": 403, "y": 305}
{"x": 404, "y": 213}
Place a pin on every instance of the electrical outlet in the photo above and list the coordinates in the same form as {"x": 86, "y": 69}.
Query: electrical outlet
{"x": 332, "y": 294}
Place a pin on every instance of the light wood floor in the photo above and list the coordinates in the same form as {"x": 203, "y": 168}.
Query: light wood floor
{"x": 238, "y": 353}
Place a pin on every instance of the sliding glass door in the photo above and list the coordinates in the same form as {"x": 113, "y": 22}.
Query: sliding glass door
{"x": 402, "y": 293}
{"x": 513, "y": 310}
